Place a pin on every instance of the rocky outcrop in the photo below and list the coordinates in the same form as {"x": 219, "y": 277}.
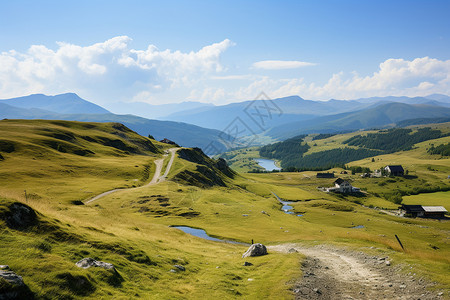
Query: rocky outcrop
{"x": 11, "y": 277}
{"x": 209, "y": 172}
{"x": 20, "y": 216}
{"x": 255, "y": 250}
{"x": 88, "y": 262}
{"x": 12, "y": 285}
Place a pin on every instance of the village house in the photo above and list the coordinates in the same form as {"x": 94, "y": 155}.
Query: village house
{"x": 435, "y": 212}
{"x": 394, "y": 170}
{"x": 343, "y": 186}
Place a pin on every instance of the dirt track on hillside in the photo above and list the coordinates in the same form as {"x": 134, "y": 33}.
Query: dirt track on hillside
{"x": 157, "y": 178}
{"x": 333, "y": 273}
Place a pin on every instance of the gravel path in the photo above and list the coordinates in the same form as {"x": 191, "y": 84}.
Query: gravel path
{"x": 157, "y": 178}
{"x": 333, "y": 273}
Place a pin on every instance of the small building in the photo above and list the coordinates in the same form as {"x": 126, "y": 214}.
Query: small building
{"x": 436, "y": 212}
{"x": 325, "y": 175}
{"x": 343, "y": 186}
{"x": 395, "y": 170}
{"x": 412, "y": 210}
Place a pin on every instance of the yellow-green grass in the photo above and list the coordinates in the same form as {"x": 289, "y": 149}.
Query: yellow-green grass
{"x": 429, "y": 199}
{"x": 137, "y": 225}
{"x": 53, "y": 176}
{"x": 111, "y": 236}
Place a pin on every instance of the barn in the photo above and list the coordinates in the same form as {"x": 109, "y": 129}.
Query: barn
{"x": 435, "y": 212}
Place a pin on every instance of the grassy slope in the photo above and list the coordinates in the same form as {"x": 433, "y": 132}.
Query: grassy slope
{"x": 54, "y": 176}
{"x": 113, "y": 229}
{"x": 126, "y": 227}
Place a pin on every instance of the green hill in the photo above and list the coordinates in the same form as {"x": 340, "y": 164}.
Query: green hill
{"x": 46, "y": 230}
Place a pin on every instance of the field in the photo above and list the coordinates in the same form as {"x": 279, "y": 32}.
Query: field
{"x": 131, "y": 228}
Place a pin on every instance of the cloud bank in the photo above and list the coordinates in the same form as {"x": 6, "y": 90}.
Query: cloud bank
{"x": 107, "y": 69}
{"x": 113, "y": 71}
{"x": 395, "y": 77}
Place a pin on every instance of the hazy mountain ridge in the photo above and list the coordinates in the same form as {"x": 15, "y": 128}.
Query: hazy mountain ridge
{"x": 379, "y": 116}
{"x": 62, "y": 103}
{"x": 280, "y": 118}
{"x": 184, "y": 134}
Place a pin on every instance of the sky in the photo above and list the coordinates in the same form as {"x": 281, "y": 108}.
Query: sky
{"x": 224, "y": 51}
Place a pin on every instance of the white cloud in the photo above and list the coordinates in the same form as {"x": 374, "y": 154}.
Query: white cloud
{"x": 281, "y": 64}
{"x": 107, "y": 69}
{"x": 395, "y": 77}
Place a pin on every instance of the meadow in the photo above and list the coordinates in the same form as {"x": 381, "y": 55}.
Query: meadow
{"x": 131, "y": 228}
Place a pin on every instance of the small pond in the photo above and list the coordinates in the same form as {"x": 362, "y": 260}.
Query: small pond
{"x": 267, "y": 164}
{"x": 358, "y": 227}
{"x": 202, "y": 234}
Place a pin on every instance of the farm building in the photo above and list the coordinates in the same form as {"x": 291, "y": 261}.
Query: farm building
{"x": 396, "y": 170}
{"x": 343, "y": 186}
{"x": 325, "y": 175}
{"x": 437, "y": 212}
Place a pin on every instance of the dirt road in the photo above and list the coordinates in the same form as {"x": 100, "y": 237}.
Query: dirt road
{"x": 333, "y": 273}
{"x": 157, "y": 178}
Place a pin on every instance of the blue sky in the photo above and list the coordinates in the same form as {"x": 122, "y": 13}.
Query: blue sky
{"x": 224, "y": 51}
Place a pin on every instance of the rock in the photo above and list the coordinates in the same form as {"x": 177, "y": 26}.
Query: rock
{"x": 388, "y": 263}
{"x": 20, "y": 216}
{"x": 13, "y": 287}
{"x": 317, "y": 291}
{"x": 246, "y": 264}
{"x": 172, "y": 271}
{"x": 255, "y": 250}
{"x": 180, "y": 267}
{"x": 292, "y": 250}
{"x": 4, "y": 267}
{"x": 12, "y": 277}
{"x": 88, "y": 262}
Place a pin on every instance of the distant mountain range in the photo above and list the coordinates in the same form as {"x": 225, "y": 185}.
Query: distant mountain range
{"x": 380, "y": 116}
{"x": 150, "y": 111}
{"x": 259, "y": 121}
{"x": 289, "y": 116}
{"x": 73, "y": 108}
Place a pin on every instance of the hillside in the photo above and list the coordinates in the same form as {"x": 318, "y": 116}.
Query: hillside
{"x": 85, "y": 157}
{"x": 72, "y": 108}
{"x": 295, "y": 153}
{"x": 133, "y": 227}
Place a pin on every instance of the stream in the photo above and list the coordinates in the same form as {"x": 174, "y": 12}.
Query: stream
{"x": 287, "y": 208}
{"x": 203, "y": 235}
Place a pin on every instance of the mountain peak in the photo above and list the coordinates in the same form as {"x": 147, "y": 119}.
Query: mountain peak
{"x": 68, "y": 103}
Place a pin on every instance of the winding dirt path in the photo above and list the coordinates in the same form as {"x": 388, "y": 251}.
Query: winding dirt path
{"x": 333, "y": 273}
{"x": 157, "y": 178}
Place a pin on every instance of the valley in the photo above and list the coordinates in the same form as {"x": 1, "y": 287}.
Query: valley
{"x": 61, "y": 164}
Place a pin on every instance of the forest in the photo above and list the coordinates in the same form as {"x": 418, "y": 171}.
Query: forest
{"x": 443, "y": 149}
{"x": 393, "y": 140}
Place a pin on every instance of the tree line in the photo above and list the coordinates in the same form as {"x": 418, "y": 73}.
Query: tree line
{"x": 393, "y": 140}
